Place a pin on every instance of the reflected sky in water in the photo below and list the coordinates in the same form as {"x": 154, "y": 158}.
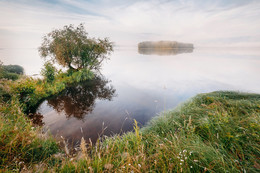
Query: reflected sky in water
{"x": 145, "y": 85}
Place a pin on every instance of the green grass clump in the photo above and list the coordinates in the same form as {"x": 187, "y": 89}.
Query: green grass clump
{"x": 20, "y": 143}
{"x": 11, "y": 76}
{"x": 221, "y": 129}
{"x": 214, "y": 132}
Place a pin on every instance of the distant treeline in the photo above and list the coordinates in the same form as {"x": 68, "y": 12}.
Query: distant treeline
{"x": 10, "y": 71}
{"x": 164, "y": 45}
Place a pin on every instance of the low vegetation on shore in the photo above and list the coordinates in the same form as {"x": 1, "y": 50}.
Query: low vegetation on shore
{"x": 12, "y": 72}
{"x": 214, "y": 132}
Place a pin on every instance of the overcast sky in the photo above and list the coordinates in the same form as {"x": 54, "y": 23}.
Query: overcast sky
{"x": 127, "y": 22}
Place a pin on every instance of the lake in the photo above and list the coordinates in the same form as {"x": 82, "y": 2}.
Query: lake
{"x": 138, "y": 85}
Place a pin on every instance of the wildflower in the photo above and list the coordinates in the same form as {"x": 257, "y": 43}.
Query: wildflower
{"x": 182, "y": 160}
{"x": 139, "y": 165}
{"x": 108, "y": 166}
{"x": 184, "y": 151}
{"x": 195, "y": 160}
{"x": 185, "y": 158}
{"x": 178, "y": 157}
{"x": 132, "y": 171}
{"x": 180, "y": 163}
{"x": 190, "y": 152}
{"x": 129, "y": 164}
{"x": 191, "y": 167}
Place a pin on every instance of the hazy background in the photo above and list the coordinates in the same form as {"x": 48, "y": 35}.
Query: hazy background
{"x": 212, "y": 23}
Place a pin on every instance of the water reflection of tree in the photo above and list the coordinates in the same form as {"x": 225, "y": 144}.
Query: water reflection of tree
{"x": 36, "y": 118}
{"x": 79, "y": 100}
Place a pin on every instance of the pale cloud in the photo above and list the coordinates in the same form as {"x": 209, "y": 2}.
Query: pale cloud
{"x": 203, "y": 23}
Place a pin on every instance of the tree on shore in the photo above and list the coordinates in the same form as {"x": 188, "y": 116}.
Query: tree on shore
{"x": 71, "y": 47}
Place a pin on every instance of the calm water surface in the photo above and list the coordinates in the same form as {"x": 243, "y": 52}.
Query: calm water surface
{"x": 140, "y": 84}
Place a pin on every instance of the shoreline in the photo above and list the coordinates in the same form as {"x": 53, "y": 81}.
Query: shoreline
{"x": 194, "y": 130}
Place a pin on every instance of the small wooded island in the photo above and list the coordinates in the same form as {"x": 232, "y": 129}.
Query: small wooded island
{"x": 164, "y": 47}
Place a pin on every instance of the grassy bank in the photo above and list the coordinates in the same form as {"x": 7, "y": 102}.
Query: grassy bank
{"x": 21, "y": 144}
{"x": 214, "y": 132}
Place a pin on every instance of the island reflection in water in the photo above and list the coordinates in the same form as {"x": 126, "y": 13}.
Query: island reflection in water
{"x": 164, "y": 52}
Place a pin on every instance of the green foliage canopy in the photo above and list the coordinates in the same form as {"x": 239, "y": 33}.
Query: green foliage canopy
{"x": 71, "y": 47}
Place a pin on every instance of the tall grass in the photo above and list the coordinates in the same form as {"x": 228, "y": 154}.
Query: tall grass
{"x": 21, "y": 145}
{"x": 215, "y": 132}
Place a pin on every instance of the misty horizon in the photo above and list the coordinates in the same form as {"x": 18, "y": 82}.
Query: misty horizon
{"x": 212, "y": 23}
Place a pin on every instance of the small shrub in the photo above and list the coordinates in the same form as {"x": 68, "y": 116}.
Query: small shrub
{"x": 14, "y": 69}
{"x": 49, "y": 72}
{"x": 81, "y": 75}
{"x": 10, "y": 72}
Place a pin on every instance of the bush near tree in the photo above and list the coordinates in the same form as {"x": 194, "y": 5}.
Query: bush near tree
{"x": 49, "y": 72}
